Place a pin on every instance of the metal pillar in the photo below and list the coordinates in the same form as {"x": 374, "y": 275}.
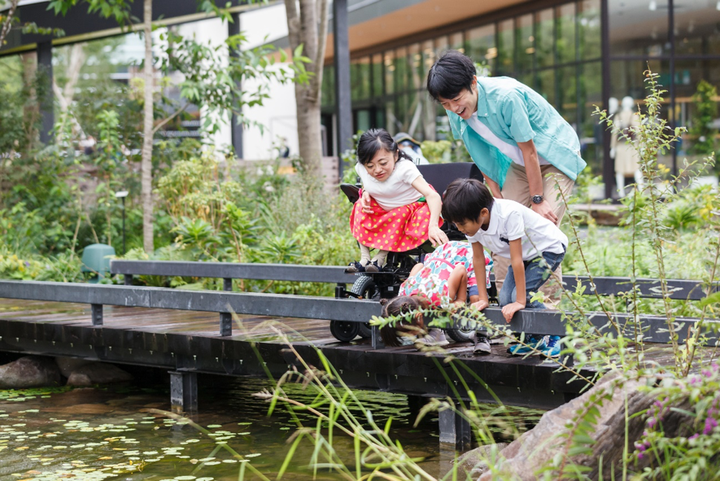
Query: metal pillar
{"x": 343, "y": 104}
{"x": 183, "y": 392}
{"x": 236, "y": 130}
{"x": 44, "y": 60}
{"x": 608, "y": 166}
{"x": 454, "y": 429}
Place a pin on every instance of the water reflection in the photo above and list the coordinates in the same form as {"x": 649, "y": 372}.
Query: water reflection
{"x": 101, "y": 433}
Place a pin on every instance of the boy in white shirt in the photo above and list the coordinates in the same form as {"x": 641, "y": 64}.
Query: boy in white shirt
{"x": 535, "y": 246}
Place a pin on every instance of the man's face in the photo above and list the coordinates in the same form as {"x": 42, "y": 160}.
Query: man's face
{"x": 464, "y": 104}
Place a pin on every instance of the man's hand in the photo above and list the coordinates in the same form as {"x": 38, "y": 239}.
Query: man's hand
{"x": 510, "y": 310}
{"x": 437, "y": 236}
{"x": 365, "y": 203}
{"x": 481, "y": 304}
{"x": 544, "y": 210}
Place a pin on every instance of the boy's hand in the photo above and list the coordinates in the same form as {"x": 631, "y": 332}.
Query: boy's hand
{"x": 437, "y": 236}
{"x": 510, "y": 310}
{"x": 481, "y": 304}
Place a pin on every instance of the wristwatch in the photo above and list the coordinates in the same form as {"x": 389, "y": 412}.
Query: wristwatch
{"x": 537, "y": 199}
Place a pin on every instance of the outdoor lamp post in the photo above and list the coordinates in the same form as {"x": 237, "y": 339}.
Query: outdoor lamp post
{"x": 121, "y": 195}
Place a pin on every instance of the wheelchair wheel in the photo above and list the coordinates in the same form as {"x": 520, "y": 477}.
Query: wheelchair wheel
{"x": 366, "y": 288}
{"x": 461, "y": 334}
{"x": 344, "y": 331}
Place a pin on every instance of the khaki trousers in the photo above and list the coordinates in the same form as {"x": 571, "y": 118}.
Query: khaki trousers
{"x": 516, "y": 188}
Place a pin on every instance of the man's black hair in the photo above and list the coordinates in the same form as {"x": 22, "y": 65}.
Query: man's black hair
{"x": 464, "y": 199}
{"x": 452, "y": 73}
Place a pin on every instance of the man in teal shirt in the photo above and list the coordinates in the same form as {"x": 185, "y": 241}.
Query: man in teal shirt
{"x": 524, "y": 148}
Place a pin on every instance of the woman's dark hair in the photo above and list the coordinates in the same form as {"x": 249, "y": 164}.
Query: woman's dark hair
{"x": 464, "y": 199}
{"x": 375, "y": 139}
{"x": 396, "y": 307}
{"x": 452, "y": 73}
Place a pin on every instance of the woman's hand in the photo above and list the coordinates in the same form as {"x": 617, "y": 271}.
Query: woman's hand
{"x": 510, "y": 310}
{"x": 437, "y": 236}
{"x": 481, "y": 304}
{"x": 365, "y": 203}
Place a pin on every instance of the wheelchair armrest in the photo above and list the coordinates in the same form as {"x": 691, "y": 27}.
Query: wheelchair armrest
{"x": 351, "y": 191}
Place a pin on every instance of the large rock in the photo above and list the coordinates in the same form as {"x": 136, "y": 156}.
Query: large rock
{"x": 523, "y": 458}
{"x": 97, "y": 373}
{"x": 28, "y": 372}
{"x": 69, "y": 364}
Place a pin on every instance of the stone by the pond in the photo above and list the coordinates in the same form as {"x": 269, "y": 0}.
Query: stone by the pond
{"x": 29, "y": 372}
{"x": 97, "y": 373}
{"x": 475, "y": 462}
{"x": 69, "y": 364}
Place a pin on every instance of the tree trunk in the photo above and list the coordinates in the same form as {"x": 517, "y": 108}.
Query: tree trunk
{"x": 7, "y": 21}
{"x": 307, "y": 26}
{"x": 146, "y": 165}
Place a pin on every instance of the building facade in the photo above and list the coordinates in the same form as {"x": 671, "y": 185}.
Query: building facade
{"x": 577, "y": 54}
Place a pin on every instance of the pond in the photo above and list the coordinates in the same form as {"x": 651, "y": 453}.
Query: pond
{"x": 119, "y": 432}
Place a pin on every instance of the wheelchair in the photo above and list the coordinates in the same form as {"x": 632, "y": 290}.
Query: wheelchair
{"x": 386, "y": 283}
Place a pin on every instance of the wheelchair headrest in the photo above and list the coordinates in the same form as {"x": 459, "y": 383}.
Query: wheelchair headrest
{"x": 440, "y": 175}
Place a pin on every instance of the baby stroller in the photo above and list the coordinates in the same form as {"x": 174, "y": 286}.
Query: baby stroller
{"x": 385, "y": 284}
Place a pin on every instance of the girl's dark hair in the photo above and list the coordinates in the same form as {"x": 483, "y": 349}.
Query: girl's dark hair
{"x": 464, "y": 199}
{"x": 375, "y": 139}
{"x": 452, "y": 73}
{"x": 396, "y": 307}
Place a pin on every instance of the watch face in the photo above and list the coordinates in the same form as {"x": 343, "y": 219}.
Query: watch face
{"x": 537, "y": 199}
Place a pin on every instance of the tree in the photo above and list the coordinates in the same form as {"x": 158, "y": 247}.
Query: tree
{"x": 307, "y": 30}
{"x": 146, "y": 163}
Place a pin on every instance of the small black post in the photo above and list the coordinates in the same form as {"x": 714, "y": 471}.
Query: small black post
{"x": 226, "y": 317}
{"x": 97, "y": 314}
{"x": 183, "y": 392}
{"x": 128, "y": 279}
{"x": 227, "y": 284}
{"x": 343, "y": 103}
{"x": 124, "y": 251}
{"x": 375, "y": 337}
{"x": 454, "y": 429}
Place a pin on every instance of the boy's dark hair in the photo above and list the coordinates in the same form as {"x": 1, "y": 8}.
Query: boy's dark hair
{"x": 464, "y": 199}
{"x": 395, "y": 307}
{"x": 452, "y": 73}
{"x": 375, "y": 139}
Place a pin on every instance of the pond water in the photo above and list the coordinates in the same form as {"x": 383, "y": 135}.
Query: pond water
{"x": 117, "y": 432}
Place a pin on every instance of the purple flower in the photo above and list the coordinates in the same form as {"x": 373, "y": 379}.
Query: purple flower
{"x": 710, "y": 424}
{"x": 27, "y": 264}
{"x": 640, "y": 455}
{"x": 694, "y": 436}
{"x": 707, "y": 373}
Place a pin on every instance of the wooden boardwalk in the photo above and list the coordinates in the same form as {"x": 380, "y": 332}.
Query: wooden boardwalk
{"x": 189, "y": 341}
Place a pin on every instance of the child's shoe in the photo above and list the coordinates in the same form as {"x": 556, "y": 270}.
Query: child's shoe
{"x": 552, "y": 347}
{"x": 538, "y": 342}
{"x": 354, "y": 267}
{"x": 373, "y": 267}
{"x": 436, "y": 337}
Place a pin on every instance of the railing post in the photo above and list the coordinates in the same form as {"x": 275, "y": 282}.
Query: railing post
{"x": 227, "y": 284}
{"x": 226, "y": 317}
{"x": 375, "y": 337}
{"x": 128, "y": 278}
{"x": 97, "y": 314}
{"x": 183, "y": 392}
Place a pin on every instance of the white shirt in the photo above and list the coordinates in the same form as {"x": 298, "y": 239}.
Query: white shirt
{"x": 396, "y": 190}
{"x": 512, "y": 151}
{"x": 510, "y": 220}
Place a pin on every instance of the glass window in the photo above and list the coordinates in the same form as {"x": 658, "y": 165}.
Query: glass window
{"x": 525, "y": 43}
{"x": 441, "y": 46}
{"x": 566, "y": 98}
{"x": 328, "y": 87}
{"x": 401, "y": 70}
{"x": 456, "y": 42}
{"x": 590, "y": 132}
{"x": 697, "y": 27}
{"x": 546, "y": 84}
{"x": 638, "y": 27}
{"x": 505, "y": 47}
{"x": 545, "y": 37}
{"x": 362, "y": 120}
{"x": 428, "y": 57}
{"x": 566, "y": 38}
{"x": 589, "y": 28}
{"x": 377, "y": 76}
{"x": 360, "y": 79}
{"x": 480, "y": 46}
{"x": 389, "y": 72}
{"x": 415, "y": 65}
{"x": 429, "y": 127}
{"x": 390, "y": 120}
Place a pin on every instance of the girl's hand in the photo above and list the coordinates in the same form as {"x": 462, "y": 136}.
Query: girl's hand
{"x": 437, "y": 236}
{"x": 510, "y": 310}
{"x": 481, "y": 304}
{"x": 365, "y": 203}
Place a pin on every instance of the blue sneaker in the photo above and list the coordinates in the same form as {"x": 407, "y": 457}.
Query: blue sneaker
{"x": 533, "y": 340}
{"x": 552, "y": 347}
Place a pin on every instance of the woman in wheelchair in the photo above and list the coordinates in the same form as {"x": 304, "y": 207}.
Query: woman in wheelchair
{"x": 445, "y": 277}
{"x": 398, "y": 210}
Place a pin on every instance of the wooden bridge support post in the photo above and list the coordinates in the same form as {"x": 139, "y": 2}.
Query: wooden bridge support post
{"x": 454, "y": 429}
{"x": 183, "y": 392}
{"x": 96, "y": 311}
